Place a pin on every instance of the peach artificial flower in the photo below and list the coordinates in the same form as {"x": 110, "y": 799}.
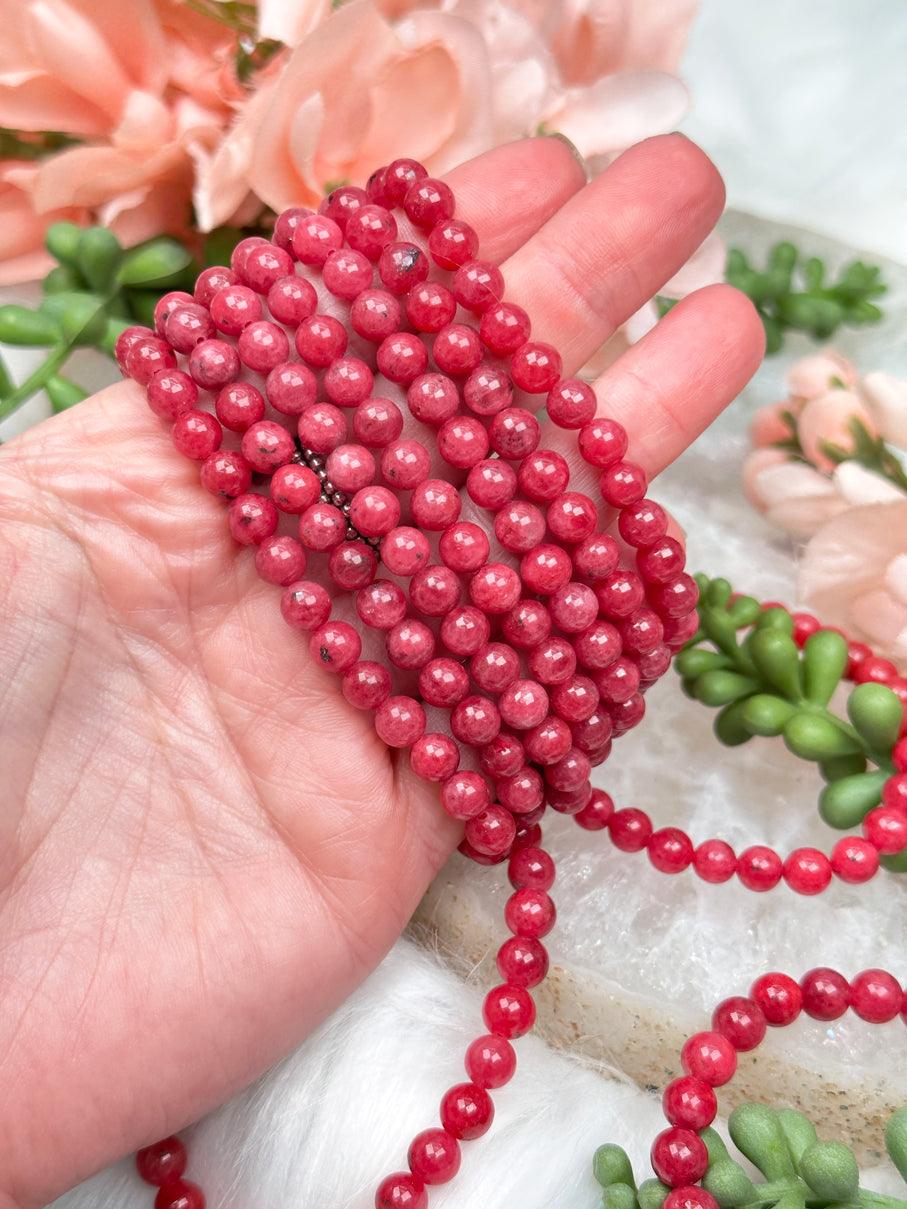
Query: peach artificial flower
{"x": 885, "y": 398}
{"x": 821, "y": 372}
{"x": 22, "y": 229}
{"x": 826, "y": 420}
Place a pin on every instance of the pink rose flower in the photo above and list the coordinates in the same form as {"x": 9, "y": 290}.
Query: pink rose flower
{"x": 826, "y": 420}
{"x": 819, "y": 373}
{"x": 768, "y": 426}
{"x": 22, "y": 229}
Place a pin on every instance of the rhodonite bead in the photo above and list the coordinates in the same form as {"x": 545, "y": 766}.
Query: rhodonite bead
{"x": 226, "y": 473}
{"x": 504, "y": 327}
{"x": 350, "y": 467}
{"x": 535, "y": 367}
{"x": 187, "y": 325}
{"x": 572, "y": 517}
{"x": 370, "y": 229}
{"x": 549, "y": 741}
{"x": 630, "y": 829}
{"x": 623, "y": 484}
{"x": 267, "y": 446}
{"x": 487, "y": 390}
{"x": 402, "y": 357}
{"x": 679, "y": 1157}
{"x": 521, "y": 792}
{"x": 677, "y": 597}
{"x": 280, "y": 560}
{"x": 405, "y": 464}
{"x": 322, "y": 527}
{"x": 320, "y": 339}
{"x": 347, "y": 381}
{"x": 597, "y": 812}
{"x": 553, "y": 661}
{"x": 342, "y": 202}
{"x": 179, "y": 1194}
{"x": 464, "y": 547}
{"x": 213, "y": 364}
{"x": 602, "y": 442}
{"x": 519, "y": 525}
{"x": 251, "y": 518}
{"x": 641, "y": 632}
{"x": 523, "y": 704}
{"x": 620, "y": 594}
{"x": 335, "y": 646}
{"x": 462, "y": 441}
{"x": 433, "y": 399}
{"x": 127, "y": 340}
{"x": 168, "y": 303}
{"x": 490, "y": 1061}
{"x": 741, "y": 1021}
{"x": 452, "y": 243}
{"x": 759, "y": 868}
{"x": 643, "y": 523}
{"x": 571, "y": 403}
{"x": 710, "y": 1057}
{"x": 262, "y": 346}
{"x": 494, "y": 668}
{"x": 854, "y": 860}
{"x": 315, "y": 236}
{"x": 162, "y": 1163}
{"x": 491, "y": 484}
{"x": 876, "y": 996}
{"x": 503, "y": 756}
{"x": 443, "y": 682}
{"x": 401, "y": 266}
{"x": 670, "y": 850}
{"x": 196, "y": 435}
{"x": 467, "y": 1111}
{"x": 527, "y": 624}
{"x": 530, "y": 913}
{"x": 434, "y": 591}
{"x": 404, "y": 550}
{"x": 886, "y": 829}
{"x": 366, "y": 684}
{"x": 401, "y": 1191}
{"x": 653, "y": 664}
{"x": 477, "y": 285}
{"x": 265, "y": 264}
{"x": 286, "y": 224}
{"x": 807, "y": 871}
{"x": 428, "y": 202}
{"x": 147, "y": 356}
{"x": 495, "y": 588}
{"x": 464, "y": 795}
{"x": 381, "y": 604}
{"x": 170, "y": 393}
{"x": 430, "y": 306}
{"x": 573, "y": 607}
{"x": 374, "y": 511}
{"x": 239, "y": 405}
{"x": 464, "y": 630}
{"x": 292, "y": 299}
{"x": 410, "y": 644}
{"x": 522, "y": 962}
{"x": 543, "y": 475}
{"x": 457, "y": 349}
{"x": 322, "y": 427}
{"x": 399, "y": 721}
{"x": 434, "y": 1156}
{"x": 779, "y": 998}
{"x": 491, "y": 832}
{"x": 894, "y": 791}
{"x": 305, "y": 605}
{"x": 826, "y": 994}
{"x": 434, "y": 757}
{"x": 398, "y": 177}
{"x": 209, "y": 281}
{"x": 592, "y": 735}
{"x": 291, "y": 387}
{"x": 375, "y": 315}
{"x": 475, "y": 720}
{"x": 569, "y": 773}
{"x": 545, "y": 569}
{"x": 596, "y": 557}
{"x": 661, "y": 562}
{"x": 627, "y": 714}
{"x": 617, "y": 682}
{"x": 514, "y": 433}
{"x": 508, "y": 1011}
{"x": 690, "y": 1103}
{"x": 531, "y": 868}
{"x": 598, "y": 645}
{"x": 377, "y": 422}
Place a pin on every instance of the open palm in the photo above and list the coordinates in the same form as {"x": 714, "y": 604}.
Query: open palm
{"x": 203, "y": 848}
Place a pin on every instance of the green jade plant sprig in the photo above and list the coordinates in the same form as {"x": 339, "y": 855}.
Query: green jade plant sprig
{"x": 744, "y": 662}
{"x": 800, "y": 1171}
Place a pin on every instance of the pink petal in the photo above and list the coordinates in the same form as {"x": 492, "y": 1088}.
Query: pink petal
{"x": 289, "y": 21}
{"x": 819, "y": 373}
{"x": 754, "y": 466}
{"x": 768, "y": 425}
{"x": 618, "y": 111}
{"x": 594, "y": 37}
{"x": 858, "y": 485}
{"x": 797, "y": 498}
{"x": 826, "y": 418}
{"x": 886, "y": 402}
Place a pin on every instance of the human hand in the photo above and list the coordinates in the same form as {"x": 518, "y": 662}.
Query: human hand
{"x": 203, "y": 847}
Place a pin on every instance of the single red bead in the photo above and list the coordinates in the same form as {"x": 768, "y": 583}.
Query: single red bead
{"x": 402, "y": 265}
{"x": 381, "y": 604}
{"x": 171, "y": 392}
{"x": 552, "y": 661}
{"x": 347, "y": 381}
{"x": 495, "y": 589}
{"x": 670, "y": 850}
{"x": 546, "y": 568}
{"x": 475, "y": 720}
{"x": 264, "y": 265}
{"x": 826, "y": 994}
{"x": 876, "y": 996}
{"x": 320, "y": 339}
{"x": 467, "y": 1111}
{"x": 370, "y": 229}
{"x": 434, "y": 757}
{"x": 434, "y": 1156}
{"x": 465, "y": 794}
{"x": 209, "y": 281}
{"x": 535, "y": 367}
{"x": 292, "y": 299}
{"x": 343, "y": 202}
{"x": 291, "y": 388}
{"x": 690, "y": 1196}
{"x": 679, "y": 1157}
{"x": 527, "y": 624}
{"x": 428, "y": 201}
{"x": 627, "y": 714}
{"x": 335, "y": 646}
{"x": 571, "y": 403}
{"x": 618, "y": 681}
{"x": 543, "y": 475}
{"x": 643, "y": 524}
{"x": 180, "y": 1194}
{"x": 491, "y": 832}
{"x": 462, "y": 441}
{"x": 404, "y": 550}
{"x": 573, "y": 607}
{"x": 899, "y": 755}
{"x": 401, "y": 1191}
{"x": 457, "y": 349}
{"x": 528, "y": 832}
{"x": 741, "y": 1020}
{"x": 410, "y": 644}
{"x": 146, "y": 356}
{"x": 523, "y": 704}
{"x": 375, "y": 315}
{"x": 477, "y": 285}
{"x": 294, "y": 488}
{"x": 435, "y": 504}
{"x": 443, "y": 682}
{"x": 805, "y": 625}
{"x": 402, "y": 357}
{"x": 602, "y": 442}
{"x": 856, "y": 653}
{"x": 531, "y": 868}
{"x": 593, "y": 735}
{"x": 520, "y": 526}
{"x": 433, "y": 398}
{"x": 710, "y": 1057}
{"x": 508, "y": 1011}
{"x": 280, "y": 560}
{"x": 630, "y": 829}
{"x": 161, "y": 1163}
{"x": 305, "y": 605}
{"x": 366, "y": 684}
{"x": 322, "y": 527}
{"x": 854, "y": 860}
{"x": 239, "y": 405}
{"x": 504, "y": 328}
{"x": 521, "y": 792}
{"x": 430, "y": 306}
{"x": 494, "y": 667}
{"x": 759, "y": 868}
{"x": 434, "y": 591}
{"x": 504, "y": 756}
{"x": 569, "y": 773}
{"x": 620, "y": 593}
{"x": 314, "y": 237}
{"x": 405, "y": 464}
{"x": 661, "y": 562}
{"x": 596, "y": 557}
{"x": 196, "y": 434}
{"x": 267, "y": 445}
{"x": 399, "y": 721}
{"x": 875, "y": 670}
{"x": 399, "y": 177}
{"x": 227, "y": 474}
{"x": 597, "y": 812}
{"x": 894, "y": 792}
{"x": 487, "y": 390}
{"x": 714, "y": 861}
{"x": 350, "y": 467}
{"x": 653, "y": 665}
{"x": 377, "y": 422}
{"x": 623, "y": 484}
{"x": 779, "y": 997}
{"x": 575, "y": 699}
{"x": 374, "y": 511}
{"x": 548, "y": 742}
{"x": 252, "y": 518}
{"x": 808, "y": 871}
{"x": 452, "y": 243}
{"x": 465, "y": 630}
{"x": 523, "y": 961}
{"x": 263, "y": 345}
{"x": 530, "y": 913}
{"x": 572, "y": 517}
{"x": 464, "y": 547}
{"x": 187, "y": 324}
{"x": 689, "y": 1103}
{"x": 490, "y": 1061}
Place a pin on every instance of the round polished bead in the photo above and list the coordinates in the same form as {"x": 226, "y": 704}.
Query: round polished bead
{"x": 876, "y": 996}
{"x": 239, "y": 405}
{"x": 677, "y": 597}
{"x": 375, "y": 315}
{"x": 598, "y": 645}
{"x": 264, "y": 265}
{"x": 443, "y": 682}
{"x": 342, "y": 202}
{"x": 710, "y": 1057}
{"x": 491, "y": 484}
{"x": 593, "y": 734}
{"x": 335, "y": 646}
{"x": 620, "y": 594}
{"x": 464, "y": 795}
{"x": 291, "y": 388}
{"x": 546, "y": 569}
{"x": 495, "y": 588}
{"x": 452, "y": 243}
{"x": 504, "y": 328}
{"x": 623, "y": 484}
{"x": 569, "y": 773}
{"x": 490, "y": 1061}
{"x": 894, "y": 792}
{"x": 519, "y": 526}
{"x": 161, "y": 1163}
{"x": 503, "y": 756}
{"x": 528, "y": 832}
{"x": 641, "y": 633}
{"x": 689, "y": 1103}
{"x": 401, "y": 1191}
{"x": 807, "y": 871}
{"x": 465, "y": 630}
{"x": 630, "y": 829}
{"x": 305, "y": 605}
{"x": 553, "y": 661}
{"x": 322, "y": 527}
{"x": 374, "y": 511}
{"x": 213, "y": 364}
{"x": 462, "y": 441}
{"x": 401, "y": 266}
{"x": 402, "y": 357}
{"x": 617, "y": 682}
{"x": 209, "y": 281}
{"x": 522, "y": 962}
{"x": 543, "y": 475}
{"x": 410, "y": 644}
{"x": 740, "y": 1020}
{"x": 405, "y": 464}
{"x": 315, "y": 236}
{"x": 886, "y": 829}
{"x": 262, "y": 346}
{"x": 467, "y": 1111}
{"x": 280, "y": 560}
{"x": 899, "y": 755}
{"x": 464, "y": 547}
{"x": 521, "y": 792}
{"x": 347, "y": 381}
{"x": 292, "y": 299}
{"x": 146, "y": 356}
{"x": 457, "y": 349}
{"x": 679, "y": 1157}
{"x": 514, "y": 433}
{"x": 494, "y": 667}
{"x": 854, "y": 860}
{"x": 399, "y": 721}
{"x": 350, "y": 467}
{"x": 778, "y": 997}
{"x": 661, "y": 562}
{"x": 714, "y": 861}
{"x": 404, "y": 550}
{"x": 826, "y": 993}
{"x": 527, "y": 624}
{"x": 574, "y": 699}
{"x": 267, "y": 445}
{"x": 196, "y": 435}
{"x": 381, "y": 604}
{"x": 530, "y": 913}
{"x": 434, "y": 757}
{"x": 508, "y": 1011}
{"x": 596, "y": 558}
{"x": 320, "y": 339}
{"x": 653, "y": 665}
{"x": 643, "y": 524}
{"x": 187, "y": 325}
{"x": 322, "y": 428}
{"x": 179, "y": 1194}
{"x": 428, "y": 202}
{"x": 875, "y": 670}
{"x": 370, "y": 229}
{"x": 170, "y": 393}
{"x": 573, "y": 607}
{"x": 435, "y": 504}
{"x": 377, "y": 422}
{"x": 433, "y": 399}
{"x": 286, "y": 224}
{"x": 487, "y": 390}
{"x": 627, "y": 714}
{"x": 226, "y": 474}
{"x": 572, "y": 517}
{"x": 399, "y": 177}
{"x": 549, "y": 741}
{"x": 434, "y": 591}
{"x": 434, "y": 1156}
{"x": 535, "y": 367}
{"x": 571, "y": 403}
{"x": 430, "y": 306}
{"x": 670, "y": 850}
{"x": 603, "y": 442}
{"x": 475, "y": 720}
{"x": 531, "y": 868}
{"x": 523, "y": 704}
{"x": 366, "y": 684}
{"x": 689, "y": 1196}
{"x": 477, "y": 285}
{"x": 759, "y": 868}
